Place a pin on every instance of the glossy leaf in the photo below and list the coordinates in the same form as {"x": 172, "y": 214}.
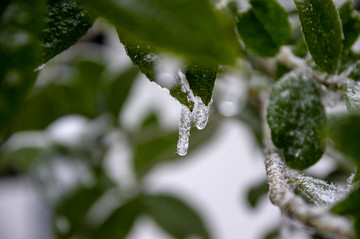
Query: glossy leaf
{"x": 120, "y": 222}
{"x": 264, "y": 28}
{"x": 65, "y": 22}
{"x": 201, "y": 79}
{"x": 190, "y": 28}
{"x": 345, "y": 132}
{"x": 322, "y": 30}
{"x": 350, "y": 205}
{"x": 176, "y": 217}
{"x": 20, "y": 27}
{"x": 296, "y": 116}
{"x": 350, "y": 21}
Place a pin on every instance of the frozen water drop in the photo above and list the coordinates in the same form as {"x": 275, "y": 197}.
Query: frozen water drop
{"x": 184, "y": 131}
{"x": 39, "y": 67}
{"x": 201, "y": 114}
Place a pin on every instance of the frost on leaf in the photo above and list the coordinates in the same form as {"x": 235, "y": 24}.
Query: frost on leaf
{"x": 296, "y": 116}
{"x": 352, "y": 97}
{"x": 65, "y": 22}
{"x": 318, "y": 191}
{"x": 322, "y": 30}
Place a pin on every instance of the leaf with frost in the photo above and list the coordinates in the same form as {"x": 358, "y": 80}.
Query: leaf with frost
{"x": 201, "y": 78}
{"x": 146, "y": 57}
{"x": 350, "y": 21}
{"x": 322, "y": 30}
{"x": 318, "y": 191}
{"x": 296, "y": 116}
{"x": 264, "y": 28}
{"x": 352, "y": 97}
{"x": 193, "y": 29}
{"x": 21, "y": 22}
{"x": 344, "y": 130}
{"x": 65, "y": 22}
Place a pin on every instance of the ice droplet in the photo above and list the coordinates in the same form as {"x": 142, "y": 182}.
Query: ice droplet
{"x": 184, "y": 130}
{"x": 39, "y": 67}
{"x": 201, "y": 114}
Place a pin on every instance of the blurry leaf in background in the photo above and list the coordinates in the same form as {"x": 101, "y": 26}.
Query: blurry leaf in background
{"x": 256, "y": 192}
{"x": 87, "y": 91}
{"x": 322, "y": 30}
{"x": 18, "y": 160}
{"x": 190, "y": 28}
{"x": 350, "y": 205}
{"x": 296, "y": 115}
{"x": 65, "y": 22}
{"x": 264, "y": 28}
{"x": 74, "y": 208}
{"x": 117, "y": 90}
{"x": 344, "y": 131}
{"x": 21, "y": 23}
{"x": 153, "y": 145}
{"x": 201, "y": 78}
{"x": 175, "y": 216}
{"x": 350, "y": 23}
{"x": 120, "y": 222}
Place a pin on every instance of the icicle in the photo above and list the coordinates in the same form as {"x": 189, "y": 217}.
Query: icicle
{"x": 201, "y": 114}
{"x": 184, "y": 130}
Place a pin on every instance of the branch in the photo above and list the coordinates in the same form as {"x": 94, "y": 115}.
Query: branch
{"x": 292, "y": 205}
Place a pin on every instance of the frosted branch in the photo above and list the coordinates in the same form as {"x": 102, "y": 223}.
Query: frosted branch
{"x": 293, "y": 206}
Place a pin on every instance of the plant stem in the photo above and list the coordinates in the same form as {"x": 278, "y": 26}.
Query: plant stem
{"x": 293, "y": 206}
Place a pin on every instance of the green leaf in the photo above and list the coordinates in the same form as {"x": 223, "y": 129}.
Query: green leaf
{"x": 190, "y": 28}
{"x": 350, "y": 205}
{"x": 350, "y": 21}
{"x": 352, "y": 98}
{"x": 76, "y": 205}
{"x": 18, "y": 160}
{"x": 120, "y": 222}
{"x": 296, "y": 116}
{"x": 175, "y": 216}
{"x": 264, "y": 28}
{"x": 322, "y": 30}
{"x": 65, "y": 22}
{"x": 20, "y": 27}
{"x": 274, "y": 19}
{"x": 344, "y": 130}
{"x": 355, "y": 71}
{"x": 117, "y": 91}
{"x": 256, "y": 192}
{"x": 201, "y": 79}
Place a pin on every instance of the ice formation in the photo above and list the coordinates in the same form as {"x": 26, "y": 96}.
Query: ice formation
{"x": 184, "y": 130}
{"x": 201, "y": 116}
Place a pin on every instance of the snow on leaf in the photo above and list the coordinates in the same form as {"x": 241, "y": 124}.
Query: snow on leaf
{"x": 295, "y": 116}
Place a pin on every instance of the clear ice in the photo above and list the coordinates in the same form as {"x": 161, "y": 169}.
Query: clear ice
{"x": 184, "y": 130}
{"x": 201, "y": 114}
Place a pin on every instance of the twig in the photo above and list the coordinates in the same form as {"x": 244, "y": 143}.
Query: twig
{"x": 290, "y": 60}
{"x": 294, "y": 206}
